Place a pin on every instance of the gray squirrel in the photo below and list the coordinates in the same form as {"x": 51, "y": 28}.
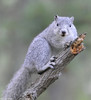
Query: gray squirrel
{"x": 42, "y": 49}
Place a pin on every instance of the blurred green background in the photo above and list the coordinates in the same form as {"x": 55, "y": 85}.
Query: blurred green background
{"x": 21, "y": 20}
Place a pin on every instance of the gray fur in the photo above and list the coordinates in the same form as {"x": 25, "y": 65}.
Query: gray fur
{"x": 47, "y": 44}
{"x": 17, "y": 85}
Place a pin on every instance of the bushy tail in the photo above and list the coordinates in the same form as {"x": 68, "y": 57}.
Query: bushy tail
{"x": 17, "y": 85}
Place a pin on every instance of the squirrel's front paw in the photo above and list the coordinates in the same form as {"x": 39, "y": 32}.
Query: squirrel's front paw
{"x": 47, "y": 66}
{"x": 53, "y": 58}
{"x": 52, "y": 62}
{"x": 67, "y": 44}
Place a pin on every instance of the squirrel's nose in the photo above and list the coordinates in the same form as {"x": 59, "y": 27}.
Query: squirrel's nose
{"x": 63, "y": 33}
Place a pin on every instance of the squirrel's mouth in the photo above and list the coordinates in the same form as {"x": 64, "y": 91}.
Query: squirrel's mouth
{"x": 63, "y": 35}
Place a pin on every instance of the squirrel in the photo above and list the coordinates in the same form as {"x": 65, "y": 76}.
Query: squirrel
{"x": 41, "y": 51}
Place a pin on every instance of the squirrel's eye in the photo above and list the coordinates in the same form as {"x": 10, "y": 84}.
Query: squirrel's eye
{"x": 57, "y": 24}
{"x": 69, "y": 25}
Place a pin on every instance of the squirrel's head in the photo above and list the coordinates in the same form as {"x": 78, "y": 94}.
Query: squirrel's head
{"x": 64, "y": 26}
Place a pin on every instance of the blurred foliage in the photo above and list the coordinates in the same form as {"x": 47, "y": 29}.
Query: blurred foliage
{"x": 22, "y": 20}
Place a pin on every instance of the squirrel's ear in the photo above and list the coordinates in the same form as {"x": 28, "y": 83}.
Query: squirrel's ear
{"x": 56, "y": 17}
{"x": 72, "y": 18}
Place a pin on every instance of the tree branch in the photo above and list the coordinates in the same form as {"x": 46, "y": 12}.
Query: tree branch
{"x": 51, "y": 75}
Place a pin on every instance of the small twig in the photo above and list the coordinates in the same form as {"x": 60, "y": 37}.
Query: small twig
{"x": 51, "y": 75}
